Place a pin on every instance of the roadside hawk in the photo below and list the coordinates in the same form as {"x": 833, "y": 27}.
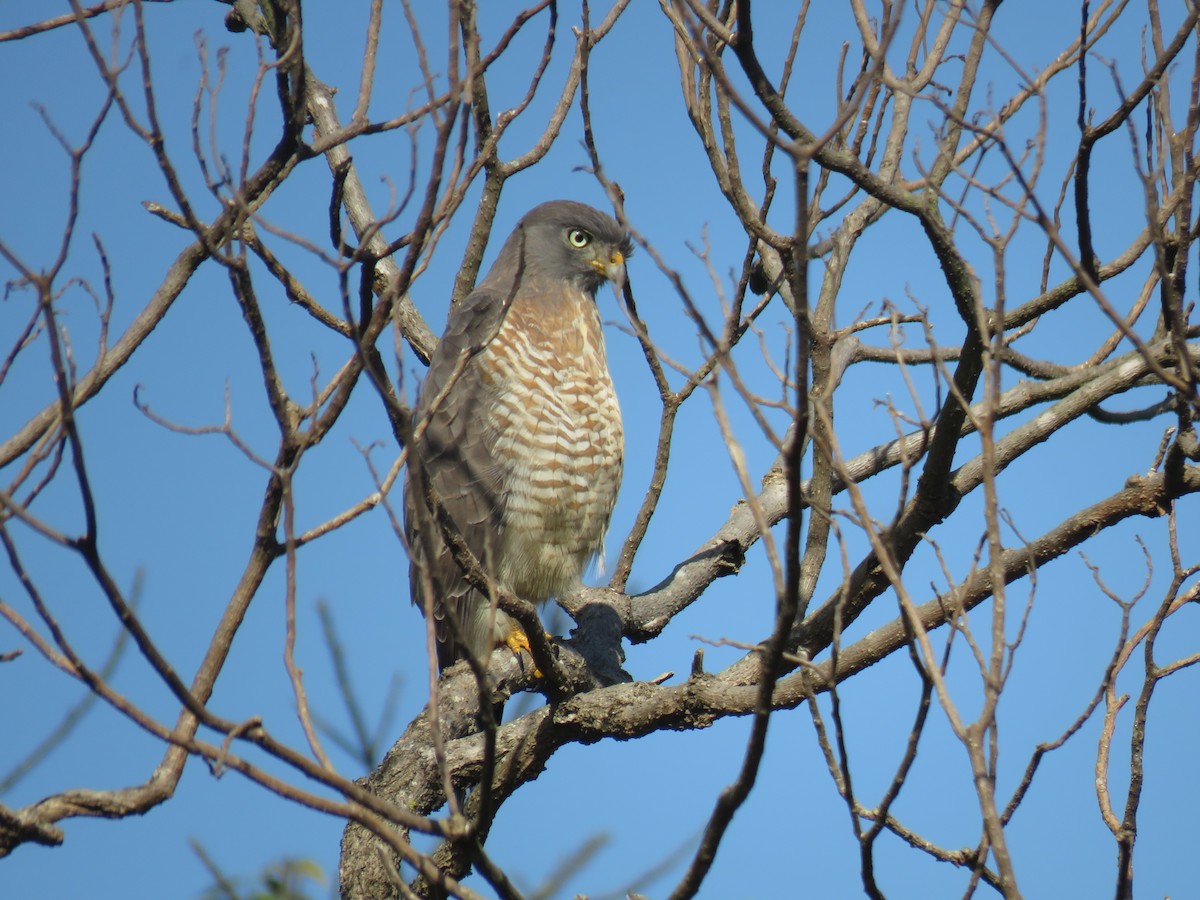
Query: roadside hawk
{"x": 518, "y": 429}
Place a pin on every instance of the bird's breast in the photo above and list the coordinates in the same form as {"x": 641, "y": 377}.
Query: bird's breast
{"x": 558, "y": 438}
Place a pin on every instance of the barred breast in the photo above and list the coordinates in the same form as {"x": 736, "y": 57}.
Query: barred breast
{"x": 557, "y": 429}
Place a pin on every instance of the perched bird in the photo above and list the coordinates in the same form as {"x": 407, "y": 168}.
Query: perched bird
{"x": 522, "y": 442}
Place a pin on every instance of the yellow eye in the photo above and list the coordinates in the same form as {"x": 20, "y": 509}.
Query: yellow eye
{"x": 578, "y": 238}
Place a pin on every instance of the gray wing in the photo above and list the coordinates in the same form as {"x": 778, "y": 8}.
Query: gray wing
{"x": 457, "y": 457}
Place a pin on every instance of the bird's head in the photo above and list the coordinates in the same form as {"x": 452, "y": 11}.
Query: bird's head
{"x": 573, "y": 242}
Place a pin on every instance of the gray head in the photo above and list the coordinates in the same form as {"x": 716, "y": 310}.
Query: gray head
{"x": 563, "y": 241}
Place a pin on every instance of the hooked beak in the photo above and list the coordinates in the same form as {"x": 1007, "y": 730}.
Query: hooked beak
{"x": 614, "y": 272}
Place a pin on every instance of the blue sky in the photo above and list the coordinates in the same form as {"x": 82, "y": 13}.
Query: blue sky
{"x": 180, "y": 509}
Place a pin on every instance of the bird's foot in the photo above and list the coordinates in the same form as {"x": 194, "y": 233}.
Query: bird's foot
{"x": 516, "y": 641}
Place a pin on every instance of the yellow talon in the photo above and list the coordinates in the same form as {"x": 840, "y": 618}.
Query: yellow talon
{"x": 516, "y": 641}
